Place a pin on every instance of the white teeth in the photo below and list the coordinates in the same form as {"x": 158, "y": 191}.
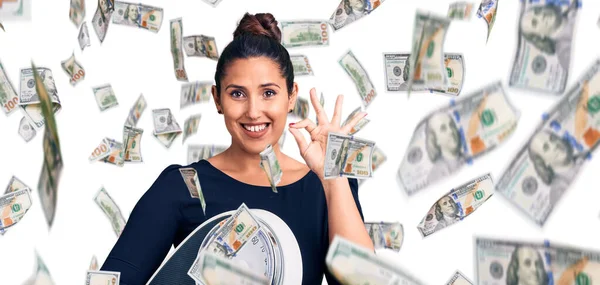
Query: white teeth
{"x": 256, "y": 128}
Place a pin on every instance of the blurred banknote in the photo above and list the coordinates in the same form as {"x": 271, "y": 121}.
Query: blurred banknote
{"x": 361, "y": 124}
{"x": 304, "y": 33}
{"x": 211, "y": 269}
{"x": 459, "y": 279}
{"x": 77, "y": 11}
{"x": 15, "y": 10}
{"x": 301, "y": 108}
{"x": 166, "y": 128}
{"x": 351, "y": 10}
{"x": 190, "y": 177}
{"x": 460, "y": 10}
{"x": 116, "y": 155}
{"x": 138, "y": 15}
{"x": 105, "y": 97}
{"x": 102, "y": 150}
{"x": 176, "y": 52}
{"x": 26, "y": 131}
{"x": 13, "y": 206}
{"x": 378, "y": 159}
{"x": 94, "y": 263}
{"x": 457, "y": 204}
{"x": 352, "y": 264}
{"x": 136, "y": 111}
{"x": 95, "y": 277}
{"x": 200, "y": 152}
{"x": 8, "y": 97}
{"x": 201, "y": 46}
{"x": 509, "y": 262}
{"x": 14, "y": 185}
{"x": 455, "y": 68}
{"x": 386, "y": 235}
{"x": 235, "y": 232}
{"x": 101, "y": 19}
{"x": 73, "y": 69}
{"x": 29, "y": 98}
{"x": 84, "y": 36}
{"x": 545, "y": 40}
{"x": 301, "y": 65}
{"x": 112, "y": 211}
{"x": 448, "y": 138}
{"x": 348, "y": 156}
{"x": 190, "y": 126}
{"x": 41, "y": 276}
{"x": 547, "y": 164}
{"x": 132, "y": 138}
{"x": 195, "y": 92}
{"x": 427, "y": 60}
{"x": 487, "y": 10}
{"x": 359, "y": 75}
{"x": 270, "y": 164}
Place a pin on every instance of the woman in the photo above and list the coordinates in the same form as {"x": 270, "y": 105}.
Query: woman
{"x": 254, "y": 92}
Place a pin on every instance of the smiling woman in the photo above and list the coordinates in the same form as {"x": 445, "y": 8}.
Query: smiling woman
{"x": 254, "y": 91}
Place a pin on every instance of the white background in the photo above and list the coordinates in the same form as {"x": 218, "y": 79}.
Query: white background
{"x": 137, "y": 61}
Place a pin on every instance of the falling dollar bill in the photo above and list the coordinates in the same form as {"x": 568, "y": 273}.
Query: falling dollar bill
{"x": 378, "y": 159}
{"x": 29, "y": 98}
{"x": 15, "y": 10}
{"x": 190, "y": 126}
{"x": 455, "y": 68}
{"x": 101, "y": 20}
{"x": 77, "y": 11}
{"x": 8, "y": 96}
{"x": 138, "y": 15}
{"x": 350, "y": 11}
{"x": 457, "y": 204}
{"x": 190, "y": 177}
{"x": 361, "y": 124}
{"x": 547, "y": 164}
{"x": 200, "y": 152}
{"x": 427, "y": 60}
{"x": 96, "y": 277}
{"x": 194, "y": 93}
{"x": 301, "y": 65}
{"x": 26, "y": 131}
{"x": 102, "y": 150}
{"x": 94, "y": 263}
{"x": 201, "y": 46}
{"x": 14, "y": 185}
{"x": 348, "y": 156}
{"x": 136, "y": 111}
{"x": 459, "y": 279}
{"x": 353, "y": 264}
{"x": 270, "y": 164}
{"x": 301, "y": 108}
{"x": 41, "y": 276}
{"x": 234, "y": 233}
{"x": 84, "y": 36}
{"x": 386, "y": 235}
{"x": 13, "y": 206}
{"x": 545, "y": 39}
{"x": 359, "y": 75}
{"x": 116, "y": 155}
{"x": 508, "y": 262}
{"x": 176, "y": 52}
{"x": 304, "y": 33}
{"x": 167, "y": 139}
{"x": 460, "y": 10}
{"x": 448, "y": 138}
{"x": 105, "y": 97}
{"x": 73, "y": 69}
{"x": 132, "y": 138}
{"x": 112, "y": 211}
{"x": 164, "y": 121}
{"x": 212, "y": 269}
{"x": 487, "y": 10}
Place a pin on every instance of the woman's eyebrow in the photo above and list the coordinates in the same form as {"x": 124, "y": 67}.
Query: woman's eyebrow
{"x": 269, "y": 84}
{"x": 234, "y": 86}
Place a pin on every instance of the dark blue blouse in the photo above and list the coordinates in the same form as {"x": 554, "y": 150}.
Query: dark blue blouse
{"x": 166, "y": 214}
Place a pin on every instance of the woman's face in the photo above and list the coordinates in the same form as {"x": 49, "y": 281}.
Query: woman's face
{"x": 255, "y": 102}
{"x": 132, "y": 13}
{"x": 541, "y": 21}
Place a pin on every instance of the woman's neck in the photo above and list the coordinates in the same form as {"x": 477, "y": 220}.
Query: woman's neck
{"x": 240, "y": 160}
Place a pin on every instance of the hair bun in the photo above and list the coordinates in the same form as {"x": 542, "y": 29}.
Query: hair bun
{"x": 261, "y": 24}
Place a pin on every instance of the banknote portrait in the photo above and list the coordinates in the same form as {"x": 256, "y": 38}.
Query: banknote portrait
{"x": 199, "y": 47}
{"x": 446, "y": 212}
{"x": 48, "y": 80}
{"x": 132, "y": 14}
{"x": 548, "y": 27}
{"x": 443, "y": 144}
{"x": 526, "y": 267}
{"x": 341, "y": 157}
{"x": 376, "y": 233}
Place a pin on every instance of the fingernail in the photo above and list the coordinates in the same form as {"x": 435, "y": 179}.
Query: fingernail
{"x": 291, "y": 124}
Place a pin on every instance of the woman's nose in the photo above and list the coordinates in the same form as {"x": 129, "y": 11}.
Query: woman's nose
{"x": 254, "y": 108}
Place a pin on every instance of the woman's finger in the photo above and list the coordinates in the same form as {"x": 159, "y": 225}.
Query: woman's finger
{"x": 321, "y": 116}
{"x": 300, "y": 140}
{"x": 337, "y": 112}
{"x": 306, "y": 123}
{"x": 348, "y": 127}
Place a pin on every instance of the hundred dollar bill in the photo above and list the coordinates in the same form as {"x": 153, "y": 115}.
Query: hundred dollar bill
{"x": 77, "y": 11}
{"x": 487, "y": 10}
{"x": 116, "y": 155}
{"x": 29, "y": 98}
{"x": 73, "y": 69}
{"x": 201, "y": 46}
{"x": 102, "y": 150}
{"x": 457, "y": 204}
{"x": 15, "y": 10}
{"x": 105, "y": 97}
{"x": 547, "y": 164}
{"x": 214, "y": 3}
{"x": 26, "y": 131}
{"x": 136, "y": 111}
{"x": 101, "y": 20}
{"x": 397, "y": 70}
{"x": 138, "y": 15}
{"x": 41, "y": 276}
{"x": 164, "y": 121}
{"x": 352, "y": 264}
{"x": 427, "y": 60}
{"x": 301, "y": 108}
{"x": 455, "y": 68}
{"x": 167, "y": 139}
{"x": 190, "y": 126}
{"x": 96, "y": 277}
{"x": 212, "y": 269}
{"x": 361, "y": 124}
{"x": 301, "y": 65}
{"x": 84, "y": 36}
{"x": 8, "y": 96}
{"x": 270, "y": 164}
{"x": 386, "y": 235}
{"x": 448, "y": 138}
{"x": 200, "y": 152}
{"x": 132, "y": 138}
{"x": 304, "y": 33}
{"x": 348, "y": 156}
{"x": 15, "y": 184}
{"x": 459, "y": 279}
{"x": 52, "y": 164}
{"x": 13, "y": 206}
{"x": 94, "y": 264}
{"x": 195, "y": 92}
{"x": 378, "y": 159}
{"x": 543, "y": 55}
{"x": 176, "y": 52}
{"x": 112, "y": 211}
{"x": 460, "y": 11}
{"x": 359, "y": 75}
{"x": 190, "y": 177}
{"x": 350, "y": 11}
{"x": 234, "y": 233}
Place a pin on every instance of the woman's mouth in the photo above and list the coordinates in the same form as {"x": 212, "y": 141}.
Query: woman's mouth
{"x": 256, "y": 130}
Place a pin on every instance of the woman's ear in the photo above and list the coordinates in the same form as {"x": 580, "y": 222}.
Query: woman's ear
{"x": 293, "y": 97}
{"x": 216, "y": 99}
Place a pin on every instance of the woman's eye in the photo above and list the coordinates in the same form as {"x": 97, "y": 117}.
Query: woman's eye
{"x": 269, "y": 93}
{"x": 236, "y": 94}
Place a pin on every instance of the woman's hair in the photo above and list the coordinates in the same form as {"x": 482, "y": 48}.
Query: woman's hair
{"x": 256, "y": 35}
